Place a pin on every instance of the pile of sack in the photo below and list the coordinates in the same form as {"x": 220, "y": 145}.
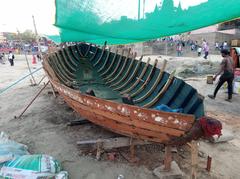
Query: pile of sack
{"x": 16, "y": 162}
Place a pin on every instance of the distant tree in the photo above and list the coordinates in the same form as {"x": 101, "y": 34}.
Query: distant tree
{"x": 28, "y": 36}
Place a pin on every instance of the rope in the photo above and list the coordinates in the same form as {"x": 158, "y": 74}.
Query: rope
{"x": 16, "y": 82}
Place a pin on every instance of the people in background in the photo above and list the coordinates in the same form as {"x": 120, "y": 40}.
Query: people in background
{"x": 1, "y": 59}
{"x": 11, "y": 58}
{"x": 179, "y": 49}
{"x": 205, "y": 49}
{"x": 199, "y": 51}
{"x": 216, "y": 46}
{"x": 225, "y": 45}
{"x": 227, "y": 75}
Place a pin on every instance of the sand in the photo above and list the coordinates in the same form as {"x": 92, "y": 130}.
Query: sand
{"x": 43, "y": 128}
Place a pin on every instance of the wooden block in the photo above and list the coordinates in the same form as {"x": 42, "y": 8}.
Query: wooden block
{"x": 168, "y": 158}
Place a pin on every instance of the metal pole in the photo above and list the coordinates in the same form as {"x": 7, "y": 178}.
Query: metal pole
{"x": 33, "y": 99}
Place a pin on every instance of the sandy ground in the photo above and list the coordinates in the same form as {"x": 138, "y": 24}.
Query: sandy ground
{"x": 43, "y": 127}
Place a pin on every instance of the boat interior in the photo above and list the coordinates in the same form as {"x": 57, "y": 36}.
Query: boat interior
{"x": 117, "y": 75}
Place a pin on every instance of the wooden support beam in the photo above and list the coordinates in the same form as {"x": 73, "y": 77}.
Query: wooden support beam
{"x": 194, "y": 159}
{"x": 111, "y": 143}
{"x": 99, "y": 149}
{"x": 168, "y": 158}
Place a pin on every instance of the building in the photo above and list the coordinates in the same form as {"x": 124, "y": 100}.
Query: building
{"x": 226, "y": 31}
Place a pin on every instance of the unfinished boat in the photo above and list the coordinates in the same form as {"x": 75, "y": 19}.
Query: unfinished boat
{"x": 120, "y": 93}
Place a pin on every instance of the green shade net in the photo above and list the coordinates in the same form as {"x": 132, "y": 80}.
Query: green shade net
{"x": 128, "y": 21}
{"x": 54, "y": 38}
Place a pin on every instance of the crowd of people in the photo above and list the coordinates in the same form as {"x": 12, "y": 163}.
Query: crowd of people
{"x": 200, "y": 48}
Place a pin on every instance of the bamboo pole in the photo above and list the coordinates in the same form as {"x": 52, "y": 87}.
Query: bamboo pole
{"x": 37, "y": 39}
{"x": 33, "y": 99}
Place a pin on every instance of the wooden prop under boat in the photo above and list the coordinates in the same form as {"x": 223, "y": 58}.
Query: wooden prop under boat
{"x": 74, "y": 70}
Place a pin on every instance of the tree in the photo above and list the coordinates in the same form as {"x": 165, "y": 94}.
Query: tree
{"x": 28, "y": 36}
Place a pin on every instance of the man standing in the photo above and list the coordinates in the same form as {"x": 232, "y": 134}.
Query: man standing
{"x": 227, "y": 71}
{"x": 11, "y": 58}
{"x": 205, "y": 49}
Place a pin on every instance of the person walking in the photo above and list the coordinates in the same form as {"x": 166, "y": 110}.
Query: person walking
{"x": 227, "y": 75}
{"x": 179, "y": 49}
{"x": 199, "y": 51}
{"x": 11, "y": 58}
{"x": 205, "y": 49}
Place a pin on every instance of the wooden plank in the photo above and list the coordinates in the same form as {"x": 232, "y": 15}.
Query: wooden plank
{"x": 115, "y": 127}
{"x": 132, "y": 122}
{"x": 166, "y": 119}
{"x": 111, "y": 143}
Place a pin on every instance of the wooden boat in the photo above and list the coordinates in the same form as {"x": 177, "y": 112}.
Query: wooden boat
{"x": 74, "y": 70}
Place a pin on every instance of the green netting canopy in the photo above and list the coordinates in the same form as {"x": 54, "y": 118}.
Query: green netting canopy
{"x": 128, "y": 21}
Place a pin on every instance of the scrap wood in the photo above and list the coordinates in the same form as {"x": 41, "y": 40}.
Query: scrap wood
{"x": 78, "y": 122}
{"x": 111, "y": 143}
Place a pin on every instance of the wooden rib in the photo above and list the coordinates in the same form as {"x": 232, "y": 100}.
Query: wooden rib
{"x": 121, "y": 70}
{"x": 66, "y": 60}
{"x": 99, "y": 59}
{"x": 61, "y": 67}
{"x": 131, "y": 77}
{"x": 116, "y": 68}
{"x": 110, "y": 66}
{"x": 127, "y": 73}
{"x": 54, "y": 70}
{"x": 159, "y": 78}
{"x": 61, "y": 71}
{"x": 59, "y": 59}
{"x": 139, "y": 78}
{"x": 146, "y": 81}
{"x": 71, "y": 56}
{"x": 57, "y": 72}
{"x": 73, "y": 53}
{"x": 79, "y": 49}
{"x": 94, "y": 55}
{"x": 67, "y": 55}
{"x": 106, "y": 60}
{"x": 88, "y": 49}
{"x": 163, "y": 90}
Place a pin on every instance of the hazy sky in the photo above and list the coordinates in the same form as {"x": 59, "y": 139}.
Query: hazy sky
{"x": 18, "y": 13}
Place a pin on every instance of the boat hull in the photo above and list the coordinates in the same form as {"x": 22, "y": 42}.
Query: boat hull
{"x": 130, "y": 120}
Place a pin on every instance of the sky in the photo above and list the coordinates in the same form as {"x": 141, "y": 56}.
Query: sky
{"x": 17, "y": 14}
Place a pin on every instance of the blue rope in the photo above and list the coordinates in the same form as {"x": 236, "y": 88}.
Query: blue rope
{"x": 16, "y": 82}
